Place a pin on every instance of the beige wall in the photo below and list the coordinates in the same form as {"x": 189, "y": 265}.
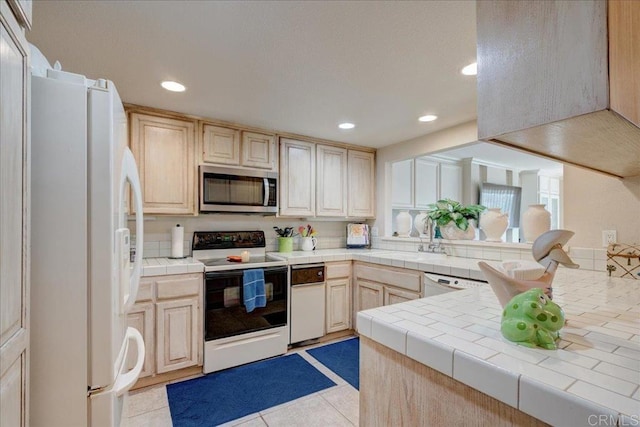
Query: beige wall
{"x": 431, "y": 143}
{"x": 594, "y": 202}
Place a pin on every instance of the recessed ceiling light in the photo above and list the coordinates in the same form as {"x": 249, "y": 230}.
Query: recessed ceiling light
{"x": 471, "y": 69}
{"x": 346, "y": 125}
{"x": 173, "y": 86}
{"x": 427, "y": 118}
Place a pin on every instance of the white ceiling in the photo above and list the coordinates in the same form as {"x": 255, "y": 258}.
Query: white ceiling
{"x": 294, "y": 66}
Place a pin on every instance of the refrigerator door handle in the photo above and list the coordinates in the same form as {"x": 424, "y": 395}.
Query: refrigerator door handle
{"x": 130, "y": 173}
{"x": 124, "y": 381}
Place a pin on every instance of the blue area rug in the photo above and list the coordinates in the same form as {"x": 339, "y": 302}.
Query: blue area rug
{"x": 343, "y": 358}
{"x": 223, "y": 396}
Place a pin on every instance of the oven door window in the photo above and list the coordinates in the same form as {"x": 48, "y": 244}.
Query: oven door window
{"x": 225, "y": 313}
{"x": 219, "y": 189}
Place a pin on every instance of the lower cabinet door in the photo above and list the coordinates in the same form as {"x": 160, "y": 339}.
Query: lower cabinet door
{"x": 368, "y": 295}
{"x": 338, "y": 307}
{"x": 141, "y": 317}
{"x": 394, "y": 296}
{"x": 177, "y": 334}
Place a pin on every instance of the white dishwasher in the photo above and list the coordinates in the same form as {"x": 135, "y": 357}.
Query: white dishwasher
{"x": 307, "y": 302}
{"x": 436, "y": 284}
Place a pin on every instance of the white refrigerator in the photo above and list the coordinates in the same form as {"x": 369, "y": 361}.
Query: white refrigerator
{"x": 82, "y": 281}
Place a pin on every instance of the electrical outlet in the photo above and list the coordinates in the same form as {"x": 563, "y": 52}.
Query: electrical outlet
{"x": 608, "y": 237}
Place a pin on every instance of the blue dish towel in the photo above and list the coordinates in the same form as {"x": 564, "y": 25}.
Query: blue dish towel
{"x": 253, "y": 289}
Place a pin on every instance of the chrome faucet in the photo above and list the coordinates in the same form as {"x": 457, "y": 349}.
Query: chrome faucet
{"x": 433, "y": 247}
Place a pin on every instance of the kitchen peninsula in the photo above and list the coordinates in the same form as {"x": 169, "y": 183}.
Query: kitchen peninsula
{"x": 443, "y": 360}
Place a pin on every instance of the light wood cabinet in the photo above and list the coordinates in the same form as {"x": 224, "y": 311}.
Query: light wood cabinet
{"x": 624, "y": 58}
{"x": 220, "y": 145}
{"x": 142, "y": 317}
{"x": 167, "y": 313}
{"x": 164, "y": 148}
{"x": 361, "y": 190}
{"x": 177, "y": 343}
{"x": 368, "y": 294}
{"x": 394, "y": 296}
{"x": 14, "y": 217}
{"x": 338, "y": 298}
{"x": 323, "y": 180}
{"x": 297, "y": 178}
{"x": 258, "y": 151}
{"x": 376, "y": 285}
{"x": 331, "y": 184}
{"x": 558, "y": 78}
{"x": 229, "y": 146}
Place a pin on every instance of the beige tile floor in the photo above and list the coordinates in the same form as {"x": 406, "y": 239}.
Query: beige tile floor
{"x": 334, "y": 406}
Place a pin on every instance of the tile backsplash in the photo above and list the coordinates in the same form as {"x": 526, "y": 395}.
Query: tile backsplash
{"x": 157, "y": 231}
{"x": 332, "y": 235}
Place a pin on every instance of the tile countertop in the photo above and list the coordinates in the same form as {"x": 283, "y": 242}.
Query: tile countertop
{"x": 423, "y": 261}
{"x": 164, "y": 266}
{"x": 595, "y": 371}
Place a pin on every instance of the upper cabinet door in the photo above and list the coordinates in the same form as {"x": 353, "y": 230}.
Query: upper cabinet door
{"x": 258, "y": 150}
{"x": 426, "y": 182}
{"x": 220, "y": 145}
{"x": 164, "y": 149}
{"x": 331, "y": 186}
{"x": 450, "y": 182}
{"x": 402, "y": 184}
{"x": 361, "y": 184}
{"x": 297, "y": 178}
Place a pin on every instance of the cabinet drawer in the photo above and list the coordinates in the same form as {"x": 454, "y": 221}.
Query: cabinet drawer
{"x": 145, "y": 290}
{"x": 179, "y": 286}
{"x": 338, "y": 269}
{"x": 401, "y": 278}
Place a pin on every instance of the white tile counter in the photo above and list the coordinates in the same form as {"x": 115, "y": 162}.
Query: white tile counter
{"x": 422, "y": 261}
{"x": 164, "y": 266}
{"x": 595, "y": 371}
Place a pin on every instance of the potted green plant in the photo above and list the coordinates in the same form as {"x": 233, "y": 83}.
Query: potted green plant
{"x": 454, "y": 218}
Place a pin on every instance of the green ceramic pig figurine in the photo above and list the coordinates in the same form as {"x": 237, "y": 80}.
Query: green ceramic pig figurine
{"x": 532, "y": 319}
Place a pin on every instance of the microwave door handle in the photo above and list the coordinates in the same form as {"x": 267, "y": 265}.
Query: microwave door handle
{"x": 266, "y": 191}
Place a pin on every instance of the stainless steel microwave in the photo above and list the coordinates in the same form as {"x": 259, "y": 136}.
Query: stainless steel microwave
{"x": 238, "y": 190}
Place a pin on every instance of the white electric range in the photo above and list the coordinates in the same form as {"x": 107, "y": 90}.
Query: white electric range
{"x": 232, "y": 335}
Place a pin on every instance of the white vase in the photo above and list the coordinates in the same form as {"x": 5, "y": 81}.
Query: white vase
{"x": 452, "y": 232}
{"x": 494, "y": 223}
{"x": 535, "y": 221}
{"x": 403, "y": 223}
{"x": 420, "y": 223}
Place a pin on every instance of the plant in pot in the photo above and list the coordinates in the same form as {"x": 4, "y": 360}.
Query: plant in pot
{"x": 453, "y": 218}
